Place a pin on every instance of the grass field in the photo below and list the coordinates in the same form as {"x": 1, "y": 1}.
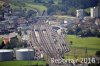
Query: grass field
{"x": 29, "y": 6}
{"x": 22, "y": 63}
{"x": 82, "y": 47}
{"x": 1, "y": 41}
{"x": 35, "y": 6}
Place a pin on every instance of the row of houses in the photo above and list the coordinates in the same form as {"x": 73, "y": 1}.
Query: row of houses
{"x": 17, "y": 18}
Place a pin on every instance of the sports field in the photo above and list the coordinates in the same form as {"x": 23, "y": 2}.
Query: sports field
{"x": 82, "y": 47}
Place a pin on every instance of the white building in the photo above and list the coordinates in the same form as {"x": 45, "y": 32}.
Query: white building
{"x": 97, "y": 22}
{"x": 95, "y": 12}
{"x": 80, "y": 13}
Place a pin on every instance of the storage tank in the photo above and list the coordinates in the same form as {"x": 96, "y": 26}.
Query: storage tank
{"x": 24, "y": 54}
{"x": 6, "y": 55}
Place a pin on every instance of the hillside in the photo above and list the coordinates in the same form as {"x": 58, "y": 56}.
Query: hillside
{"x": 55, "y": 7}
{"x": 27, "y": 4}
{"x": 1, "y": 3}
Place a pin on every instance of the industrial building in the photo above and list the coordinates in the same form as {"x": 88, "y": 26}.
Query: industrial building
{"x": 19, "y": 54}
{"x": 6, "y": 55}
{"x": 24, "y": 54}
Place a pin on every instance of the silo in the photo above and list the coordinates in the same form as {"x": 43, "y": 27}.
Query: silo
{"x": 6, "y": 55}
{"x": 24, "y": 54}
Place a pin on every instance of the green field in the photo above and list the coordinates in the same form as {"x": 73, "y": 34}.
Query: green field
{"x": 82, "y": 47}
{"x": 22, "y": 63}
{"x": 35, "y": 6}
{"x": 29, "y": 6}
{"x": 1, "y": 40}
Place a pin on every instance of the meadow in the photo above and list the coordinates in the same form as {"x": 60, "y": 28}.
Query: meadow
{"x": 82, "y": 47}
{"x": 23, "y": 63}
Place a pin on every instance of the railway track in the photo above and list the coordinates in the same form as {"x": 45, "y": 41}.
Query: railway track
{"x": 51, "y": 43}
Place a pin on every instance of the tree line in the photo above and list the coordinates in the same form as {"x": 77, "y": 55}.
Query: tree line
{"x": 67, "y": 6}
{"x": 60, "y": 6}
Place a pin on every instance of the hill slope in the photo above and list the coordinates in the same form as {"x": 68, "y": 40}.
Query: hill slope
{"x": 26, "y": 4}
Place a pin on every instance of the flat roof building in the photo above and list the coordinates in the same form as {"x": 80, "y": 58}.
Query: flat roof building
{"x": 95, "y": 12}
{"x": 80, "y": 13}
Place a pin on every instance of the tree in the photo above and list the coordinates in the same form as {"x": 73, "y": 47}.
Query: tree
{"x": 70, "y": 31}
{"x": 56, "y": 9}
{"x": 51, "y": 1}
{"x": 98, "y": 53}
{"x": 71, "y": 11}
{"x": 38, "y": 1}
{"x": 78, "y": 30}
{"x": 31, "y": 13}
{"x": 96, "y": 33}
{"x": 80, "y": 3}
